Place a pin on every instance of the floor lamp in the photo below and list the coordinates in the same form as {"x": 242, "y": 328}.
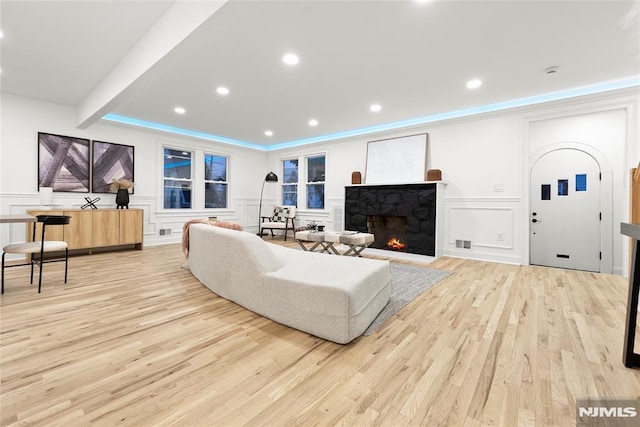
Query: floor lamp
{"x": 271, "y": 177}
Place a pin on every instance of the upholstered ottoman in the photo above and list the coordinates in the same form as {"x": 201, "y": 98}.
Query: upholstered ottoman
{"x": 356, "y": 241}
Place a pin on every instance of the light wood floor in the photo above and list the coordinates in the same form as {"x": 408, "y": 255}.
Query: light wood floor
{"x": 135, "y": 340}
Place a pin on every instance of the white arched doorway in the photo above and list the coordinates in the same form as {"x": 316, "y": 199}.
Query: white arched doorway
{"x": 569, "y": 217}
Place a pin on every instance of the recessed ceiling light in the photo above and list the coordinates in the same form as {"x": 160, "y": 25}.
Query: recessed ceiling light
{"x": 290, "y": 59}
{"x": 179, "y": 110}
{"x": 313, "y": 122}
{"x": 222, "y": 90}
{"x": 474, "y": 83}
{"x": 375, "y": 108}
{"x": 268, "y": 133}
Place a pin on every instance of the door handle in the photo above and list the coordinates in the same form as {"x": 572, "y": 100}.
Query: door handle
{"x": 535, "y": 220}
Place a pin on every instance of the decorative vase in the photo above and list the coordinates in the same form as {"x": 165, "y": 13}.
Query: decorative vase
{"x": 356, "y": 178}
{"x": 122, "y": 198}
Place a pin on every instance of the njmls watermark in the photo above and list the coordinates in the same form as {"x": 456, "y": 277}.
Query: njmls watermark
{"x": 608, "y": 412}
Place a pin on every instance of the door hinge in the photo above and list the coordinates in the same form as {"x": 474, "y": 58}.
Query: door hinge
{"x": 600, "y": 255}
{"x": 600, "y": 216}
{"x": 600, "y": 176}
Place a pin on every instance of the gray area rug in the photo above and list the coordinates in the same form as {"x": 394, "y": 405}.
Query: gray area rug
{"x": 408, "y": 283}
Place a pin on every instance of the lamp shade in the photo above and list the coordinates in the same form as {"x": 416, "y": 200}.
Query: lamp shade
{"x": 271, "y": 177}
{"x": 46, "y": 197}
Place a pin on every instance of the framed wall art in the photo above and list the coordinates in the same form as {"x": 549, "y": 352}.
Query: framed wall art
{"x": 63, "y": 163}
{"x": 111, "y": 162}
{"x": 397, "y": 160}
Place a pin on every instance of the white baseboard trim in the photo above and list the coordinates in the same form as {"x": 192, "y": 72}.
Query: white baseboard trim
{"x": 480, "y": 256}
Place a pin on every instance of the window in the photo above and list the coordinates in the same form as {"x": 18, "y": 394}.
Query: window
{"x": 290, "y": 182}
{"x": 215, "y": 181}
{"x": 546, "y": 192}
{"x": 315, "y": 182}
{"x": 177, "y": 179}
{"x": 563, "y": 187}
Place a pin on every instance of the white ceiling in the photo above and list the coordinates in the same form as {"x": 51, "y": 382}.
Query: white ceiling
{"x": 413, "y": 59}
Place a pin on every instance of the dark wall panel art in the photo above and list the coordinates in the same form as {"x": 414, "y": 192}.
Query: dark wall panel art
{"x": 63, "y": 163}
{"x": 110, "y": 162}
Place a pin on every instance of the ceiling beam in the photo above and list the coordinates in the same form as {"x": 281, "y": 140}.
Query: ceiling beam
{"x": 180, "y": 20}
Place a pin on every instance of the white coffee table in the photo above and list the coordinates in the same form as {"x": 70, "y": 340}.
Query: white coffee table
{"x": 324, "y": 241}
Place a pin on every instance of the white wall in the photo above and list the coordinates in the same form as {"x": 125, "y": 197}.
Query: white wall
{"x": 473, "y": 155}
{"x": 476, "y": 156}
{"x": 22, "y": 119}
{"x": 485, "y": 163}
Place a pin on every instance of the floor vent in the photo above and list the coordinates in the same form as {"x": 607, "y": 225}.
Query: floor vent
{"x": 165, "y": 231}
{"x": 463, "y": 244}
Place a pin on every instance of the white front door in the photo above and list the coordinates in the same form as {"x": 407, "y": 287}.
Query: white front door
{"x": 565, "y": 211}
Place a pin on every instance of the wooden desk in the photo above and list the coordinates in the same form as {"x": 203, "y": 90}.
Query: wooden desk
{"x": 629, "y": 358}
{"x": 9, "y": 219}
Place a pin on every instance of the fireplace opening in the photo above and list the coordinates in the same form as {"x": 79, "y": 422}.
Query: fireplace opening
{"x": 390, "y": 232}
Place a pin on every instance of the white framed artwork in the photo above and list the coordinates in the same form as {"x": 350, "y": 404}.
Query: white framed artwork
{"x": 397, "y": 160}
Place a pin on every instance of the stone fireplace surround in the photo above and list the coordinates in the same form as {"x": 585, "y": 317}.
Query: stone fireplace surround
{"x": 418, "y": 202}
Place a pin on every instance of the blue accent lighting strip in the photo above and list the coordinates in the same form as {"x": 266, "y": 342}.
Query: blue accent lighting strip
{"x": 521, "y": 102}
{"x": 179, "y": 131}
{"x": 466, "y": 112}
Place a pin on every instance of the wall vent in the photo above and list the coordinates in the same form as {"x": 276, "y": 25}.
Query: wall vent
{"x": 165, "y": 232}
{"x": 338, "y": 214}
{"x": 463, "y": 244}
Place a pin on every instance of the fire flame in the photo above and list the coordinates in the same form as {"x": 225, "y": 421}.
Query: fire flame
{"x": 395, "y": 243}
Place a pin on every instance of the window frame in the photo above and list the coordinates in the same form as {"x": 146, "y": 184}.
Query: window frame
{"x": 293, "y": 184}
{"x": 177, "y": 180}
{"x": 206, "y": 181}
{"x": 309, "y": 183}
{"x": 302, "y": 159}
{"x": 197, "y": 181}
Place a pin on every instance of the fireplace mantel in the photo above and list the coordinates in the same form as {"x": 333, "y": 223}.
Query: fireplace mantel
{"x": 421, "y": 203}
{"x": 443, "y": 183}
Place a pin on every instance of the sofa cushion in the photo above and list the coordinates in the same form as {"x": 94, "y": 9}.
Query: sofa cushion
{"x": 230, "y": 262}
{"x": 332, "y": 297}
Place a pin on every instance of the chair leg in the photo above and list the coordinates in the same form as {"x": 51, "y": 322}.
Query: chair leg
{"x": 3, "y": 272}
{"x": 66, "y": 263}
{"x": 41, "y": 265}
{"x": 40, "y": 276}
{"x": 32, "y": 262}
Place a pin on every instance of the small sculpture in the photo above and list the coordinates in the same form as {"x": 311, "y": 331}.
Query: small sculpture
{"x": 122, "y": 187}
{"x": 91, "y": 203}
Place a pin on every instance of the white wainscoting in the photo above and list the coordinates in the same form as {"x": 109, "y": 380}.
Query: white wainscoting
{"x": 174, "y": 220}
{"x": 490, "y": 224}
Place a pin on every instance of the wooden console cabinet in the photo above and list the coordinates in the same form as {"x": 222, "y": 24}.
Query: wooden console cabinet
{"x": 96, "y": 228}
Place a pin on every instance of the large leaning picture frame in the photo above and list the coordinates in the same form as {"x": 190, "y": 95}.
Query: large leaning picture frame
{"x": 397, "y": 160}
{"x": 63, "y": 163}
{"x": 110, "y": 162}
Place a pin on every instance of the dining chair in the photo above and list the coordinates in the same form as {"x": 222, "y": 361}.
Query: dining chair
{"x": 40, "y": 247}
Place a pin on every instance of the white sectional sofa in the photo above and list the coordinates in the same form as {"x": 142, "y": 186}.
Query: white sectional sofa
{"x": 332, "y": 297}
